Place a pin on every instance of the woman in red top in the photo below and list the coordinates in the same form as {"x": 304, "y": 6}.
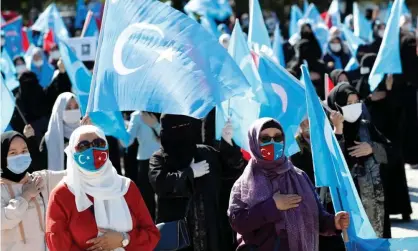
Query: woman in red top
{"x": 95, "y": 208}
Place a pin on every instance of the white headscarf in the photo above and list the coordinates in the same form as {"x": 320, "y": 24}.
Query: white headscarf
{"x": 105, "y": 186}
{"x": 57, "y": 130}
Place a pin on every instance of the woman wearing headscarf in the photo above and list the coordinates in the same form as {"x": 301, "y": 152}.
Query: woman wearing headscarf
{"x": 378, "y": 32}
{"x": 24, "y": 196}
{"x": 20, "y": 65}
{"x": 308, "y": 49}
{"x": 365, "y": 150}
{"x": 337, "y": 55}
{"x": 65, "y": 118}
{"x": 273, "y": 205}
{"x": 39, "y": 65}
{"x": 30, "y": 98}
{"x": 95, "y": 208}
{"x": 338, "y": 76}
{"x": 60, "y": 83}
{"x": 186, "y": 177}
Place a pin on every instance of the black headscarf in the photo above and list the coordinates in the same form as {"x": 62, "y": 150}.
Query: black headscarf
{"x": 6, "y": 139}
{"x": 31, "y": 97}
{"x": 338, "y": 98}
{"x": 335, "y": 74}
{"x": 179, "y": 137}
{"x": 363, "y": 85}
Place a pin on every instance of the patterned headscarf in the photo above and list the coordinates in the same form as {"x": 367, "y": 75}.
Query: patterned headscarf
{"x": 261, "y": 179}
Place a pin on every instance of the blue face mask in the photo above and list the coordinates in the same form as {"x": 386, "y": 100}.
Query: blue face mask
{"x": 272, "y": 150}
{"x": 19, "y": 163}
{"x": 92, "y": 159}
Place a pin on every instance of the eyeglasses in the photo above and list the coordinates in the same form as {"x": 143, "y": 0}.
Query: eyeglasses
{"x": 84, "y": 145}
{"x": 267, "y": 139}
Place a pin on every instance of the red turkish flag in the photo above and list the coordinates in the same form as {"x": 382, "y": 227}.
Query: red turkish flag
{"x": 48, "y": 41}
{"x": 268, "y": 152}
{"x": 100, "y": 157}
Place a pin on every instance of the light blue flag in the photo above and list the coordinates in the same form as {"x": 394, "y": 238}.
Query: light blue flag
{"x": 405, "y": 11}
{"x": 352, "y": 64}
{"x": 286, "y": 96}
{"x": 210, "y": 25}
{"x": 9, "y": 70}
{"x": 112, "y": 123}
{"x": 81, "y": 12}
{"x": 156, "y": 59}
{"x": 388, "y": 59}
{"x": 313, "y": 14}
{"x": 217, "y": 9}
{"x": 362, "y": 26}
{"x": 13, "y": 36}
{"x": 7, "y": 106}
{"x": 331, "y": 170}
{"x": 90, "y": 28}
{"x": 51, "y": 19}
{"x": 239, "y": 51}
{"x": 305, "y": 6}
{"x": 242, "y": 111}
{"x": 45, "y": 72}
{"x": 295, "y": 16}
{"x": 334, "y": 13}
{"x": 353, "y": 43}
{"x": 258, "y": 36}
{"x": 278, "y": 46}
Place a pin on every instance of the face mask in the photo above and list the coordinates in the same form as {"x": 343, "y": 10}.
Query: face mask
{"x": 352, "y": 112}
{"x": 55, "y": 55}
{"x": 72, "y": 116}
{"x": 380, "y": 33}
{"x": 335, "y": 47}
{"x": 20, "y": 69}
{"x": 19, "y": 163}
{"x": 92, "y": 159}
{"x": 272, "y": 150}
{"x": 364, "y": 70}
{"x": 3, "y": 41}
{"x": 38, "y": 63}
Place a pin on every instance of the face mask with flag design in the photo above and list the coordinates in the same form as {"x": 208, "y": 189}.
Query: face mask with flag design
{"x": 92, "y": 159}
{"x": 272, "y": 150}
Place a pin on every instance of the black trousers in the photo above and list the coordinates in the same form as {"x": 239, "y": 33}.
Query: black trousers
{"x": 142, "y": 181}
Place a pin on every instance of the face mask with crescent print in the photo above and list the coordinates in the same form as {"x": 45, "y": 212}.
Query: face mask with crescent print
{"x": 92, "y": 159}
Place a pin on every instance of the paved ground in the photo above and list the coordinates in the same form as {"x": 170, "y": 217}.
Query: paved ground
{"x": 409, "y": 229}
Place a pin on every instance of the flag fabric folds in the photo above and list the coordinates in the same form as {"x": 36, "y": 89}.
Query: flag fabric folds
{"x": 157, "y": 60}
{"x": 286, "y": 97}
{"x": 9, "y": 71}
{"x": 7, "y": 105}
{"x": 362, "y": 27}
{"x": 51, "y": 19}
{"x": 295, "y": 16}
{"x": 81, "y": 12}
{"x": 278, "y": 46}
{"x": 13, "y": 35}
{"x": 388, "y": 59}
{"x": 112, "y": 123}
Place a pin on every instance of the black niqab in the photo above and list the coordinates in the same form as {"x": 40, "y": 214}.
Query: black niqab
{"x": 6, "y": 139}
{"x": 179, "y": 137}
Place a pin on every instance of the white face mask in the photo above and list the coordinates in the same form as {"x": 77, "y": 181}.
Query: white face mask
{"x": 364, "y": 70}
{"x": 20, "y": 69}
{"x": 352, "y": 112}
{"x": 38, "y": 63}
{"x": 55, "y": 55}
{"x": 380, "y": 33}
{"x": 335, "y": 47}
{"x": 3, "y": 41}
{"x": 19, "y": 163}
{"x": 72, "y": 116}
{"x": 407, "y": 27}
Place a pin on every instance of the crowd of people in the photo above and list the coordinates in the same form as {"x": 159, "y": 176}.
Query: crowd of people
{"x": 66, "y": 186}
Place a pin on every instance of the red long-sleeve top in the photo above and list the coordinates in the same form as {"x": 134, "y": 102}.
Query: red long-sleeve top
{"x": 69, "y": 230}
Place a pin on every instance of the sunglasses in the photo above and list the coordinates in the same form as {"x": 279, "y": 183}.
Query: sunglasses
{"x": 267, "y": 139}
{"x": 84, "y": 145}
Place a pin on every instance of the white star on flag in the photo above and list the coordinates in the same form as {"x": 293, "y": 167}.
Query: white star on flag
{"x": 166, "y": 54}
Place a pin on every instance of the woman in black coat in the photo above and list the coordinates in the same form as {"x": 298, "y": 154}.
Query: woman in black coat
{"x": 187, "y": 180}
